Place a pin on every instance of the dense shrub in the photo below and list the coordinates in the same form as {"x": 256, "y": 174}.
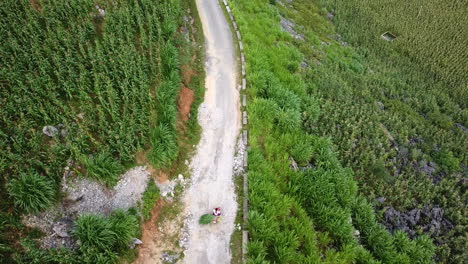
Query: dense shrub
{"x": 103, "y": 168}
{"x": 94, "y": 231}
{"x": 101, "y": 239}
{"x": 31, "y": 192}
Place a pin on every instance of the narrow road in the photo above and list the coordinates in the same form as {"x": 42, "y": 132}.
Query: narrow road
{"x": 212, "y": 166}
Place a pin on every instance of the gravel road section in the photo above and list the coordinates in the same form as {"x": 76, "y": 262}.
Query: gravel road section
{"x": 212, "y": 166}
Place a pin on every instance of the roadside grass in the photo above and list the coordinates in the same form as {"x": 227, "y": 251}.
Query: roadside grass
{"x": 150, "y": 196}
{"x": 236, "y": 238}
{"x": 310, "y": 214}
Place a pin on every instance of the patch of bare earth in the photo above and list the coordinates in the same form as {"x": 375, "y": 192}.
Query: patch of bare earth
{"x": 160, "y": 233}
{"x": 156, "y": 239}
{"x": 186, "y": 97}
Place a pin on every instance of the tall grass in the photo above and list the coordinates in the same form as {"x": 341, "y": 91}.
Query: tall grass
{"x": 150, "y": 196}
{"x": 103, "y": 168}
{"x": 387, "y": 108}
{"x": 31, "y": 192}
{"x": 312, "y": 214}
{"x": 101, "y": 239}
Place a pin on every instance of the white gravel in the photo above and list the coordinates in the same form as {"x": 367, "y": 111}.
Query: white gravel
{"x": 85, "y": 196}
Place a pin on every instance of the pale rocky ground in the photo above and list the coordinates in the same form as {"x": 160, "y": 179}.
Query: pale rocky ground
{"x": 212, "y": 167}
{"x": 84, "y": 196}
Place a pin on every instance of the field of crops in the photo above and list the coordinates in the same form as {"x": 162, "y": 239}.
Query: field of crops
{"x": 430, "y": 44}
{"x": 101, "y": 78}
{"x": 305, "y": 206}
{"x": 395, "y": 116}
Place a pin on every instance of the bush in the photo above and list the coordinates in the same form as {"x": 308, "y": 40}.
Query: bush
{"x": 31, "y": 192}
{"x": 164, "y": 146}
{"x": 101, "y": 239}
{"x": 103, "y": 168}
{"x": 447, "y": 161}
{"x": 94, "y": 231}
{"x": 32, "y": 254}
{"x": 124, "y": 226}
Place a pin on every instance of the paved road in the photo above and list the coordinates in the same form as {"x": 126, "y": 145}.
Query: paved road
{"x": 212, "y": 166}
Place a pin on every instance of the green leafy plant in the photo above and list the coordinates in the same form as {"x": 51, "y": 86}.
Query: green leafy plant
{"x": 101, "y": 239}
{"x": 206, "y": 219}
{"x": 103, "y": 168}
{"x": 124, "y": 226}
{"x": 31, "y": 192}
{"x": 94, "y": 232}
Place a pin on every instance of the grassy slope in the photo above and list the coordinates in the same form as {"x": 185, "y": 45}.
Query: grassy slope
{"x": 305, "y": 216}
{"x": 392, "y": 110}
{"x": 120, "y": 73}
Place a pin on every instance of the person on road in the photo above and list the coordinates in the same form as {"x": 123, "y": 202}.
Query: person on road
{"x": 217, "y": 214}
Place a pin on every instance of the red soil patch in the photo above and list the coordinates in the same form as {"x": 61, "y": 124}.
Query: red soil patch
{"x": 150, "y": 236}
{"x": 187, "y": 73}
{"x": 186, "y": 97}
{"x": 141, "y": 158}
{"x": 157, "y": 175}
{"x": 161, "y": 177}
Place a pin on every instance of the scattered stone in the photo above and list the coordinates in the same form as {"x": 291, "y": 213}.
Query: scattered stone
{"x": 168, "y": 257}
{"x": 427, "y": 167}
{"x": 239, "y": 157}
{"x": 80, "y": 116}
{"x": 167, "y": 188}
{"x": 330, "y": 15}
{"x": 135, "y": 242}
{"x": 185, "y": 232}
{"x": 356, "y": 233}
{"x": 50, "y": 131}
{"x": 101, "y": 11}
{"x": 295, "y": 167}
{"x": 380, "y": 105}
{"x": 381, "y": 200}
{"x": 86, "y": 196}
{"x": 61, "y": 229}
{"x": 464, "y": 129}
{"x": 429, "y": 219}
{"x": 416, "y": 140}
{"x": 130, "y": 188}
{"x": 288, "y": 26}
{"x": 293, "y": 164}
{"x": 304, "y": 64}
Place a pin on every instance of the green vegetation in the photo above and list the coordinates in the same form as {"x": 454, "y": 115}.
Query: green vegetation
{"x": 31, "y": 192}
{"x": 430, "y": 45}
{"x": 106, "y": 84}
{"x": 396, "y": 111}
{"x": 150, "y": 196}
{"x": 103, "y": 168}
{"x": 206, "y": 219}
{"x": 305, "y": 206}
{"x": 100, "y": 240}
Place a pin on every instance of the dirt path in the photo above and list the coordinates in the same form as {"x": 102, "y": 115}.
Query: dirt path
{"x": 212, "y": 166}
